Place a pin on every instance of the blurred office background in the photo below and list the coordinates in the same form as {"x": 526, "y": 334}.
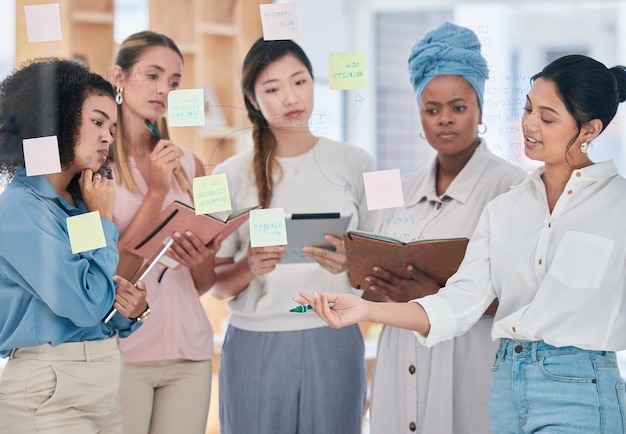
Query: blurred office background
{"x": 518, "y": 39}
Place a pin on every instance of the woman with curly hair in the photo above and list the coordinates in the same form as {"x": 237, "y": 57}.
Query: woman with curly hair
{"x": 64, "y": 367}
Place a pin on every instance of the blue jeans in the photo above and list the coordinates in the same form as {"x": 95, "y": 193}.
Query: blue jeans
{"x": 536, "y": 387}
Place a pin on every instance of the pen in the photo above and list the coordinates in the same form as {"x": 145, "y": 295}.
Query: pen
{"x": 304, "y": 308}
{"x": 168, "y": 243}
{"x": 153, "y": 129}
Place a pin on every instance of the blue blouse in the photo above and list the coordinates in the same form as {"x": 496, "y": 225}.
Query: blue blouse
{"x": 47, "y": 293}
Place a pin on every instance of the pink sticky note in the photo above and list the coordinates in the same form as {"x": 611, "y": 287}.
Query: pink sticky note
{"x": 383, "y": 189}
{"x": 43, "y": 22}
{"x": 279, "y": 21}
{"x": 41, "y": 155}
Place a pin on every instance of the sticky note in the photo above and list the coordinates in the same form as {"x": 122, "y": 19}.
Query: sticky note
{"x": 346, "y": 71}
{"x": 210, "y": 194}
{"x": 43, "y": 22}
{"x": 185, "y": 108}
{"x": 41, "y": 155}
{"x": 279, "y": 21}
{"x": 383, "y": 189}
{"x": 267, "y": 227}
{"x": 86, "y": 232}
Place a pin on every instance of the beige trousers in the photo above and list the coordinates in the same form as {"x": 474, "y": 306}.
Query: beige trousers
{"x": 73, "y": 388}
{"x": 167, "y": 397}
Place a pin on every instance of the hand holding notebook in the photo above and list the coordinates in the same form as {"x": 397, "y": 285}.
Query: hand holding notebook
{"x": 180, "y": 217}
{"x": 437, "y": 258}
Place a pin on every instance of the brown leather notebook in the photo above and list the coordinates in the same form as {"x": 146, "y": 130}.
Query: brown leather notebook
{"x": 438, "y": 258}
{"x": 180, "y": 217}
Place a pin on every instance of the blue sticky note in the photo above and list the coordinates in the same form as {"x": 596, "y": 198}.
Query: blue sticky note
{"x": 185, "y": 108}
{"x": 267, "y": 227}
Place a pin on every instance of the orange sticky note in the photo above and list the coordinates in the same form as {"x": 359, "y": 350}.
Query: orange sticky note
{"x": 85, "y": 232}
{"x": 383, "y": 189}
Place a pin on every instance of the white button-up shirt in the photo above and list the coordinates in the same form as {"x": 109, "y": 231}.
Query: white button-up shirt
{"x": 560, "y": 277}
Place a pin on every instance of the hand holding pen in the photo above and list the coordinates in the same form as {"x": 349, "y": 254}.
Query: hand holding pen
{"x": 164, "y": 161}
{"x": 338, "y": 310}
{"x": 147, "y": 268}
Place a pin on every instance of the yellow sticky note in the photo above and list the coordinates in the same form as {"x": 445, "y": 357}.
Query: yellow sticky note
{"x": 211, "y": 194}
{"x": 185, "y": 108}
{"x": 86, "y": 232}
{"x": 267, "y": 227}
{"x": 346, "y": 71}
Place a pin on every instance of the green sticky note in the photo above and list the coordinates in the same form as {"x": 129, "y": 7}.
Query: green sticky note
{"x": 185, "y": 108}
{"x": 346, "y": 71}
{"x": 267, "y": 227}
{"x": 86, "y": 232}
{"x": 210, "y": 194}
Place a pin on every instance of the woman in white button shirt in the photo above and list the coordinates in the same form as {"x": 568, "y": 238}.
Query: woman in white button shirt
{"x": 553, "y": 251}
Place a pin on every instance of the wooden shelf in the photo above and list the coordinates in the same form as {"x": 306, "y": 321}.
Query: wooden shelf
{"x": 92, "y": 17}
{"x": 218, "y": 29}
{"x": 86, "y": 28}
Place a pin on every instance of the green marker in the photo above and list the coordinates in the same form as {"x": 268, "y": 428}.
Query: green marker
{"x": 303, "y": 308}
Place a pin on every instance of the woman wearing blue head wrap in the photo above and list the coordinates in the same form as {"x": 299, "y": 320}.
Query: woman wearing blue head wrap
{"x": 443, "y": 389}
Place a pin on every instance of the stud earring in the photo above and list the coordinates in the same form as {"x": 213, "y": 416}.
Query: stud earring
{"x": 583, "y": 147}
{"x": 119, "y": 99}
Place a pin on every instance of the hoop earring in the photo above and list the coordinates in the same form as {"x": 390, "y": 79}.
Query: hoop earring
{"x": 483, "y": 131}
{"x": 119, "y": 99}
{"x": 421, "y": 134}
{"x": 584, "y": 147}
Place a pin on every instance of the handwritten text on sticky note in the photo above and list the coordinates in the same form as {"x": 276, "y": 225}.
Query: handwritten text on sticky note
{"x": 41, "y": 155}
{"x": 210, "y": 194}
{"x": 85, "y": 232}
{"x": 346, "y": 70}
{"x": 279, "y": 21}
{"x": 383, "y": 189}
{"x": 186, "y": 108}
{"x": 43, "y": 22}
{"x": 267, "y": 227}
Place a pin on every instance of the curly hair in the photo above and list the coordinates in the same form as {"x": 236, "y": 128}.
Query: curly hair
{"x": 44, "y": 97}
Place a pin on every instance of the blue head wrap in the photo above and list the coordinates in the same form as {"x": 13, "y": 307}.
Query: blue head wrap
{"x": 448, "y": 50}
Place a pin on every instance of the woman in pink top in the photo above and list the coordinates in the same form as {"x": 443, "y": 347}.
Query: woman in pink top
{"x": 167, "y": 373}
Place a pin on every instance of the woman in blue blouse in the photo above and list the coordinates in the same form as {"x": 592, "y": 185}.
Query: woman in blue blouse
{"x": 64, "y": 362}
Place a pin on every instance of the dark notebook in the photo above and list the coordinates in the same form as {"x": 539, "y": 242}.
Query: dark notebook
{"x": 438, "y": 258}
